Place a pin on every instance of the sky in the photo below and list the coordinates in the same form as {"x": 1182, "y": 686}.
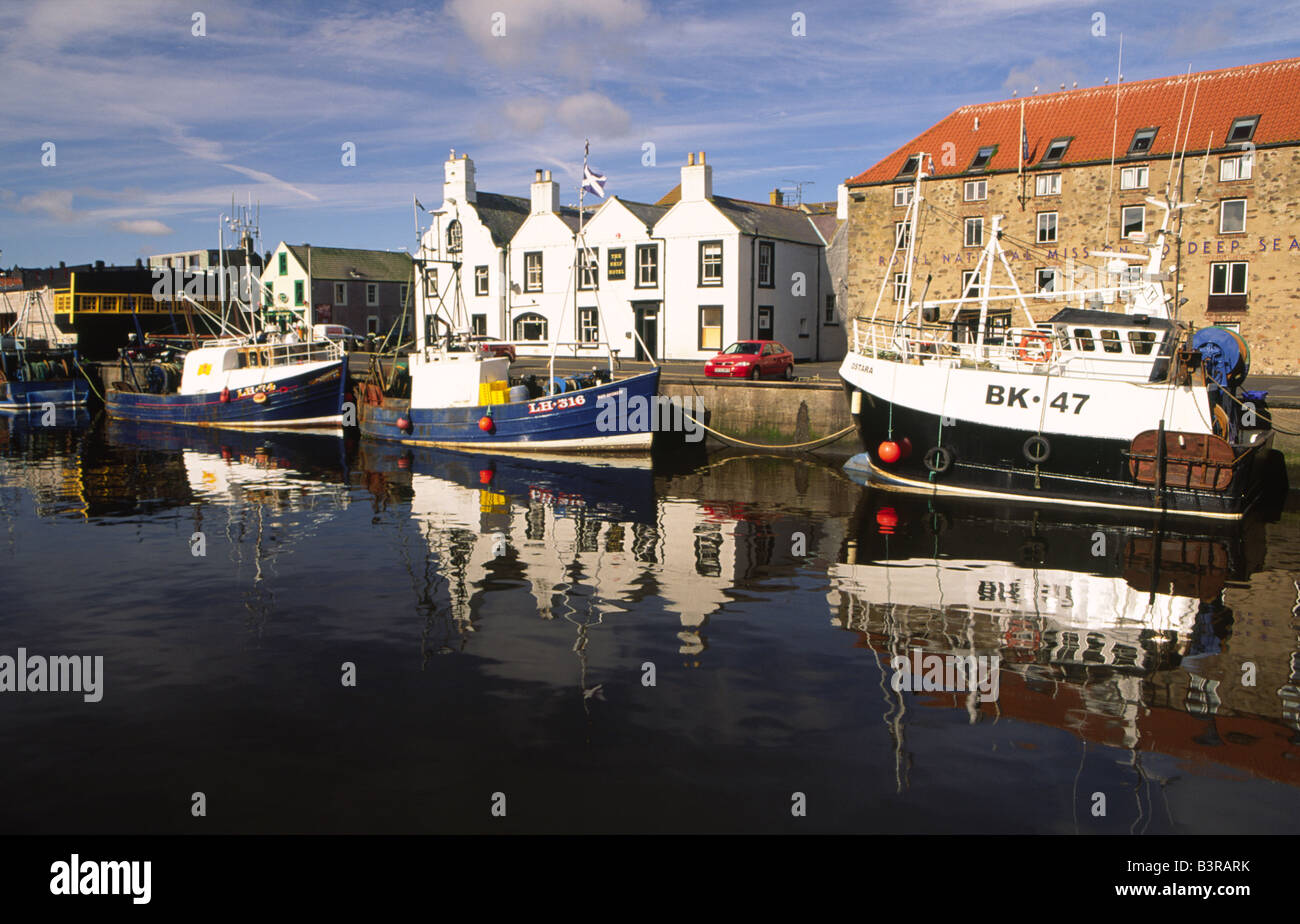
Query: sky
{"x": 127, "y": 126}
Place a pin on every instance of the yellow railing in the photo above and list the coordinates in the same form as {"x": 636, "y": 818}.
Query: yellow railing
{"x": 65, "y": 302}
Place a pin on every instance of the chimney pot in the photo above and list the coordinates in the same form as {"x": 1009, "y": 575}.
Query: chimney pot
{"x": 537, "y": 175}
{"x": 701, "y": 157}
{"x": 690, "y": 158}
{"x": 548, "y": 176}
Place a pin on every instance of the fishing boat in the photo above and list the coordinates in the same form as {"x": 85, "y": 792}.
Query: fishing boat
{"x": 451, "y": 392}
{"x": 37, "y": 375}
{"x": 249, "y": 377}
{"x": 1100, "y": 397}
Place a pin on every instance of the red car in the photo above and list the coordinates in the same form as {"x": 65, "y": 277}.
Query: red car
{"x": 493, "y": 347}
{"x": 751, "y": 359}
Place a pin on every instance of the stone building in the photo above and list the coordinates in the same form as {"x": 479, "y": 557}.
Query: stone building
{"x": 1076, "y": 180}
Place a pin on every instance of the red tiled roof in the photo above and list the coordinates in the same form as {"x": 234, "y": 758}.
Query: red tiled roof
{"x": 1269, "y": 90}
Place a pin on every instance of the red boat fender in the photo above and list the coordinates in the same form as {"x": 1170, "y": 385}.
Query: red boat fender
{"x": 225, "y": 395}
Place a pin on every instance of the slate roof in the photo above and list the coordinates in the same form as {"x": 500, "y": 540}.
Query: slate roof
{"x": 344, "y": 263}
{"x": 502, "y": 215}
{"x": 648, "y": 214}
{"x": 1269, "y": 90}
{"x": 782, "y": 222}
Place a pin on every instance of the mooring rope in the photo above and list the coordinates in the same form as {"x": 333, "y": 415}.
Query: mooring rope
{"x": 739, "y": 442}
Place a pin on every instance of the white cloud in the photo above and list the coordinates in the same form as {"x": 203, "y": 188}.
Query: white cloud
{"x": 54, "y": 203}
{"x": 142, "y": 226}
{"x": 593, "y": 114}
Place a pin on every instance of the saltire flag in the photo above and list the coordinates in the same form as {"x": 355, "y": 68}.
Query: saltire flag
{"x": 419, "y": 205}
{"x": 593, "y": 182}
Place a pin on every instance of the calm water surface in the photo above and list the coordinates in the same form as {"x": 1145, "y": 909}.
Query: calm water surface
{"x": 618, "y": 647}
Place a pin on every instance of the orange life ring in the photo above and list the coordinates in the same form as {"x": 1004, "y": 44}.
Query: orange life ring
{"x": 1036, "y": 348}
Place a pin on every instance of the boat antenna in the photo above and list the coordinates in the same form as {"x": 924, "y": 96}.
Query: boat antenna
{"x": 1114, "y": 135}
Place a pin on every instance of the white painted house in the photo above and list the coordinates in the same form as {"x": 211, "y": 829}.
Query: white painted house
{"x": 621, "y": 239}
{"x": 474, "y": 229}
{"x": 542, "y": 309}
{"x": 738, "y": 270}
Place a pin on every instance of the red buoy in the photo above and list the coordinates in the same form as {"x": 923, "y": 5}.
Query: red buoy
{"x": 485, "y": 424}
{"x": 888, "y": 452}
{"x": 485, "y": 476}
{"x": 887, "y": 519}
{"x": 403, "y": 424}
{"x": 225, "y": 395}
{"x": 906, "y": 446}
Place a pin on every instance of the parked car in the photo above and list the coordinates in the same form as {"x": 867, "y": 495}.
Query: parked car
{"x": 751, "y": 359}
{"x": 336, "y": 332}
{"x": 493, "y": 346}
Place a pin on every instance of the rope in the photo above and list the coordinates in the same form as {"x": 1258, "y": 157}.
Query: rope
{"x": 739, "y": 442}
{"x": 1271, "y": 424}
{"x": 89, "y": 380}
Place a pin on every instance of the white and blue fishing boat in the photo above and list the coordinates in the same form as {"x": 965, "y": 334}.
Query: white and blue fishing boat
{"x": 453, "y": 393}
{"x": 254, "y": 379}
{"x": 37, "y": 375}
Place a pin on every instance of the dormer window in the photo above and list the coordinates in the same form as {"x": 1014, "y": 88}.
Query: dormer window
{"x": 1056, "y": 150}
{"x": 910, "y": 165}
{"x": 1143, "y": 138}
{"x": 1242, "y": 130}
{"x": 983, "y": 156}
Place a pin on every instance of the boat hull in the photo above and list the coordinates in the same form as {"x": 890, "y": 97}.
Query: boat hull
{"x": 309, "y": 399}
{"x": 35, "y": 396}
{"x": 576, "y": 421}
{"x": 989, "y": 461}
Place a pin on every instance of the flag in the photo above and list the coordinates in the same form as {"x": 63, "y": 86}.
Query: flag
{"x": 418, "y": 205}
{"x": 593, "y": 182}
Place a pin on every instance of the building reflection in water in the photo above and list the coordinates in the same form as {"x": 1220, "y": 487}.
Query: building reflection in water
{"x": 1120, "y": 634}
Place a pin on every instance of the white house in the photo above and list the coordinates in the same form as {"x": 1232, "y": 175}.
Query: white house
{"x": 542, "y": 286}
{"x": 629, "y": 277}
{"x": 472, "y": 229}
{"x": 738, "y": 270}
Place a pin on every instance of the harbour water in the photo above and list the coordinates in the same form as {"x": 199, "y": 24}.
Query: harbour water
{"x": 321, "y": 635}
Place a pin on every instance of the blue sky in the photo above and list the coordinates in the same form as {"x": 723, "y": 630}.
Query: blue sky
{"x": 156, "y": 128}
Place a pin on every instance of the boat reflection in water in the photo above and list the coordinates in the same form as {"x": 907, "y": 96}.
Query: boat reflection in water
{"x": 1118, "y": 634}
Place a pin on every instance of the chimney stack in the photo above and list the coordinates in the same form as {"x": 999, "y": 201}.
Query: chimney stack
{"x": 697, "y": 179}
{"x": 775, "y": 197}
{"x": 545, "y": 194}
{"x": 458, "y": 179}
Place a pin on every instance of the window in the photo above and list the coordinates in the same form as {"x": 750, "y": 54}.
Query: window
{"x": 900, "y": 286}
{"x": 974, "y": 232}
{"x": 975, "y": 190}
{"x": 1243, "y": 129}
{"x": 532, "y": 272}
{"x": 1134, "y": 177}
{"x": 531, "y": 327}
{"x": 902, "y": 233}
{"x": 1047, "y": 227}
{"x": 284, "y": 264}
{"x": 372, "y": 294}
{"x": 710, "y": 263}
{"x": 616, "y": 263}
{"x": 480, "y": 280}
{"x": 588, "y": 325}
{"x": 298, "y": 292}
{"x": 1142, "y": 140}
{"x": 1083, "y": 339}
{"x": 1142, "y": 342}
{"x": 830, "y": 310}
{"x": 1045, "y": 280}
{"x": 1133, "y": 220}
{"x": 970, "y": 284}
{"x": 1110, "y": 341}
{"x": 1232, "y": 216}
{"x": 711, "y": 327}
{"x": 431, "y": 282}
{"x": 982, "y": 157}
{"x": 402, "y": 291}
{"x": 1238, "y": 167}
{"x": 455, "y": 240}
{"x": 478, "y": 325}
{"x": 910, "y": 165}
{"x": 902, "y": 196}
{"x": 647, "y": 266}
{"x": 765, "y": 323}
{"x": 340, "y": 293}
{"x": 1228, "y": 278}
{"x": 179, "y": 263}
{"x": 766, "y": 264}
{"x": 1056, "y": 150}
{"x": 194, "y": 261}
{"x": 590, "y": 267}
{"x": 1047, "y": 184}
{"x": 372, "y": 324}
{"x": 803, "y": 332}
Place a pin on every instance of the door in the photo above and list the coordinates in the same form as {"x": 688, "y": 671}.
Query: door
{"x": 647, "y": 328}
{"x": 764, "y": 322}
